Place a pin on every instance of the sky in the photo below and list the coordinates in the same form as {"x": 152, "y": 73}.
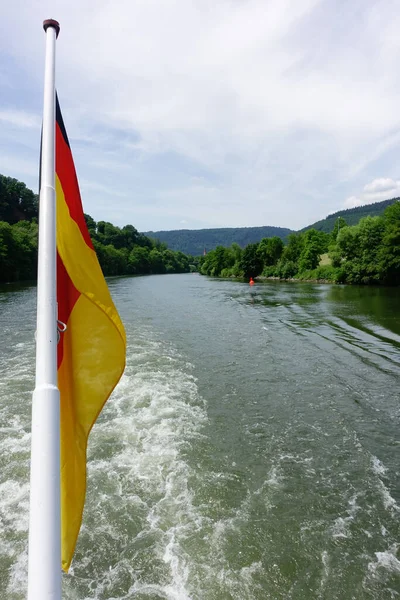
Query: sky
{"x": 185, "y": 114}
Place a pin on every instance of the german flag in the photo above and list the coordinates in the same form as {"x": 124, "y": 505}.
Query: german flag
{"x": 91, "y": 351}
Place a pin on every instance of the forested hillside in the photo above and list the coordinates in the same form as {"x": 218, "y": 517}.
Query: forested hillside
{"x": 194, "y": 241}
{"x": 121, "y": 251}
{"x": 366, "y": 253}
{"x": 351, "y": 215}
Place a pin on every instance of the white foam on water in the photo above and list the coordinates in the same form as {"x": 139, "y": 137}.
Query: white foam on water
{"x": 274, "y": 477}
{"x": 153, "y": 417}
{"x": 379, "y": 471}
{"x": 240, "y": 583}
{"x": 388, "y": 501}
{"x": 17, "y": 381}
{"x": 141, "y": 522}
{"x": 306, "y": 462}
{"x": 145, "y": 534}
{"x": 386, "y": 561}
{"x": 377, "y": 467}
{"x": 341, "y": 526}
{"x": 138, "y": 495}
{"x": 325, "y": 570}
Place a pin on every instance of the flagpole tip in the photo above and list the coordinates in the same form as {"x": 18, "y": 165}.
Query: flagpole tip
{"x": 52, "y": 23}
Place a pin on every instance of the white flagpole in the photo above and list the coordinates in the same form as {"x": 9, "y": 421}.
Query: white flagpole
{"x": 44, "y": 563}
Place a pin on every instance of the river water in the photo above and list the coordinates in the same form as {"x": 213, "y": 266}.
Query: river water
{"x": 251, "y": 450}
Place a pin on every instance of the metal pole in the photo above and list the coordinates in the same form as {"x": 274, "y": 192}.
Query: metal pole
{"x": 44, "y": 564}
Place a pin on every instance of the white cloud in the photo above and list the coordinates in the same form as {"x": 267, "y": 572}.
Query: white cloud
{"x": 381, "y": 184}
{"x": 383, "y": 188}
{"x": 98, "y": 187}
{"x": 352, "y": 201}
{"x": 20, "y": 118}
{"x": 284, "y": 108}
{"x": 14, "y": 166}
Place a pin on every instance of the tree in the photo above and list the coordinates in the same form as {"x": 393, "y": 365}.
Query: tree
{"x": 25, "y": 255}
{"x": 358, "y": 247}
{"x": 217, "y": 260}
{"x": 294, "y": 248}
{"x": 131, "y": 236}
{"x": 139, "y": 261}
{"x": 389, "y": 252}
{"x": 17, "y": 202}
{"x": 6, "y": 252}
{"x": 237, "y": 252}
{"x": 251, "y": 263}
{"x": 120, "y": 251}
{"x": 340, "y": 223}
{"x": 181, "y": 262}
{"x": 270, "y": 250}
{"x": 156, "y": 261}
{"x": 92, "y": 226}
{"x": 314, "y": 244}
{"x": 109, "y": 234}
{"x": 18, "y": 251}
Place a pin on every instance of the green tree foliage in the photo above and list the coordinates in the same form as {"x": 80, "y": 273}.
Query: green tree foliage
{"x": 294, "y": 248}
{"x": 120, "y": 251}
{"x": 17, "y": 202}
{"x": 340, "y": 224}
{"x": 352, "y": 216}
{"x": 18, "y": 251}
{"x": 366, "y": 253}
{"x": 236, "y": 251}
{"x": 389, "y": 251}
{"x": 358, "y": 247}
{"x": 251, "y": 262}
{"x": 139, "y": 261}
{"x": 6, "y": 251}
{"x": 91, "y": 224}
{"x": 125, "y": 251}
{"x": 270, "y": 250}
{"x": 217, "y": 261}
{"x": 156, "y": 261}
{"x": 314, "y": 244}
{"x": 194, "y": 242}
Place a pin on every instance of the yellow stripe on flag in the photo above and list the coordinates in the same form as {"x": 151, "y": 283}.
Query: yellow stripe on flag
{"x": 93, "y": 361}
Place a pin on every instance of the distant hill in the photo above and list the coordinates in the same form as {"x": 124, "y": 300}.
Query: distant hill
{"x": 193, "y": 241}
{"x": 351, "y": 215}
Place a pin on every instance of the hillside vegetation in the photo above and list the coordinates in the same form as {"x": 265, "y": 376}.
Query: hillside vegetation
{"x": 366, "y": 253}
{"x": 351, "y": 215}
{"x": 195, "y": 241}
{"x": 121, "y": 251}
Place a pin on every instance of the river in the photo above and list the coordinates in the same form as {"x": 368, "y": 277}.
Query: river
{"x": 250, "y": 451}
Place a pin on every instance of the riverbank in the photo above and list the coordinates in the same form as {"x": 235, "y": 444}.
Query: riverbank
{"x": 294, "y": 280}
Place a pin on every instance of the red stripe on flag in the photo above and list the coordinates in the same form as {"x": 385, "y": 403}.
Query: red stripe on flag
{"x": 66, "y": 173}
{"x": 67, "y": 296}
